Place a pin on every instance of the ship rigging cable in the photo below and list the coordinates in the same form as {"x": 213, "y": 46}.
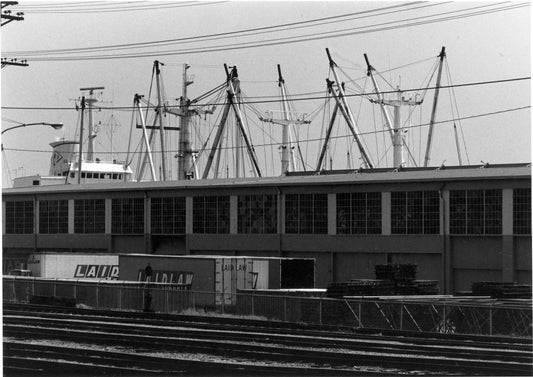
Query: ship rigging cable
{"x": 128, "y": 108}
{"x": 411, "y": 22}
{"x": 451, "y": 120}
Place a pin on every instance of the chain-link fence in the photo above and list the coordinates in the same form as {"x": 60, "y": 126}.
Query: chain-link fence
{"x": 487, "y": 317}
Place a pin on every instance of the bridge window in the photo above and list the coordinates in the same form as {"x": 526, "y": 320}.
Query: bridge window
{"x": 415, "y": 212}
{"x": 306, "y": 213}
{"x": 359, "y": 213}
{"x": 167, "y": 215}
{"x": 127, "y": 216}
{"x": 257, "y": 214}
{"x": 89, "y": 216}
{"x": 19, "y": 217}
{"x": 53, "y": 216}
{"x": 522, "y": 211}
{"x": 211, "y": 214}
{"x": 476, "y": 211}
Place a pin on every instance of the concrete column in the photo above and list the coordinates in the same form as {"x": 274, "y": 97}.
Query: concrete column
{"x": 71, "y": 216}
{"x": 147, "y": 215}
{"x": 108, "y": 205}
{"x": 507, "y": 212}
{"x": 332, "y": 214}
{"x": 447, "y": 261}
{"x": 188, "y": 214}
{"x": 282, "y": 214}
{"x": 445, "y": 212}
{"x": 36, "y": 216}
{"x": 3, "y": 217}
{"x": 233, "y": 214}
{"x": 508, "y": 262}
{"x": 386, "y": 213}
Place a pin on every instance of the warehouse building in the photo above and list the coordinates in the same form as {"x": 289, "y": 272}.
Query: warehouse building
{"x": 458, "y": 224}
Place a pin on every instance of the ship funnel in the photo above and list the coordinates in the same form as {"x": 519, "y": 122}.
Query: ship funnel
{"x": 64, "y": 153}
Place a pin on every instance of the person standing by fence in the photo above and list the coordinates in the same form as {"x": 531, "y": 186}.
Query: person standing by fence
{"x": 148, "y": 273}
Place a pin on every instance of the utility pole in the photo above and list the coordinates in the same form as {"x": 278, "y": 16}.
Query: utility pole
{"x": 8, "y": 17}
{"x": 6, "y": 14}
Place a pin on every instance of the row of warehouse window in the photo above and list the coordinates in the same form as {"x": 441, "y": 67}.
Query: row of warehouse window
{"x": 412, "y": 212}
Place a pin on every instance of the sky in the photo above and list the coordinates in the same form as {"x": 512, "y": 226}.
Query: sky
{"x": 486, "y": 74}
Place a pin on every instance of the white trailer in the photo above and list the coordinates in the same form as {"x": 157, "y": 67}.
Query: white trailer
{"x": 74, "y": 266}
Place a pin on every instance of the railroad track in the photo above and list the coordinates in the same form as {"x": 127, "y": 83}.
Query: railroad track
{"x": 147, "y": 343}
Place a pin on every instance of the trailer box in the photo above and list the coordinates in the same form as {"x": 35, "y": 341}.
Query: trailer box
{"x": 221, "y": 275}
{"x": 74, "y": 266}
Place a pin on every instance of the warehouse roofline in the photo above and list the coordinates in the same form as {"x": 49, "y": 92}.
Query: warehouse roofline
{"x": 359, "y": 176}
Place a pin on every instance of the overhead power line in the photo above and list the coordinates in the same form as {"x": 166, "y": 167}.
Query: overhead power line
{"x": 293, "y": 97}
{"x": 112, "y": 7}
{"x": 391, "y": 25}
{"x": 299, "y": 24}
{"x": 451, "y": 120}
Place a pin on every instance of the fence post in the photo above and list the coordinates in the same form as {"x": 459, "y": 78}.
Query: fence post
{"x": 285, "y": 308}
{"x": 320, "y": 310}
{"x": 55, "y": 288}
{"x": 490, "y": 319}
{"x": 97, "y": 284}
{"x": 166, "y": 300}
{"x": 402, "y": 304}
{"x": 253, "y": 312}
{"x": 14, "y": 290}
{"x": 76, "y": 290}
{"x": 120, "y": 297}
{"x": 445, "y": 322}
{"x": 360, "y": 313}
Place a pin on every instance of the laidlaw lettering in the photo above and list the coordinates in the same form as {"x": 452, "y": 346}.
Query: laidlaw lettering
{"x": 96, "y": 271}
{"x": 172, "y": 277}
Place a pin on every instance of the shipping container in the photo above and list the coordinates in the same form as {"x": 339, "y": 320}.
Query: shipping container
{"x": 74, "y": 266}
{"x": 219, "y": 276}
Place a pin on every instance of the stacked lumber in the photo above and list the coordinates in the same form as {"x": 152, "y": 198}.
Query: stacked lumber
{"x": 501, "y": 290}
{"x": 391, "y": 280}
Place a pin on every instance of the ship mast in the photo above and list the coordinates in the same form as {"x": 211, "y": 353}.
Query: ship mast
{"x": 232, "y": 88}
{"x": 90, "y": 102}
{"x": 342, "y": 105}
{"x": 442, "y": 55}
{"x": 395, "y": 128}
{"x": 287, "y": 155}
{"x": 185, "y": 153}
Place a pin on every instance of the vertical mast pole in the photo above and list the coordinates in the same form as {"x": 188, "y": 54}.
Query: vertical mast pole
{"x": 185, "y": 162}
{"x": 285, "y": 145}
{"x": 442, "y": 55}
{"x": 160, "y": 113}
{"x": 380, "y": 96}
{"x": 90, "y": 146}
{"x": 345, "y": 109}
{"x": 457, "y": 145}
{"x": 80, "y": 149}
{"x": 397, "y": 139}
{"x": 146, "y": 141}
{"x": 240, "y": 123}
